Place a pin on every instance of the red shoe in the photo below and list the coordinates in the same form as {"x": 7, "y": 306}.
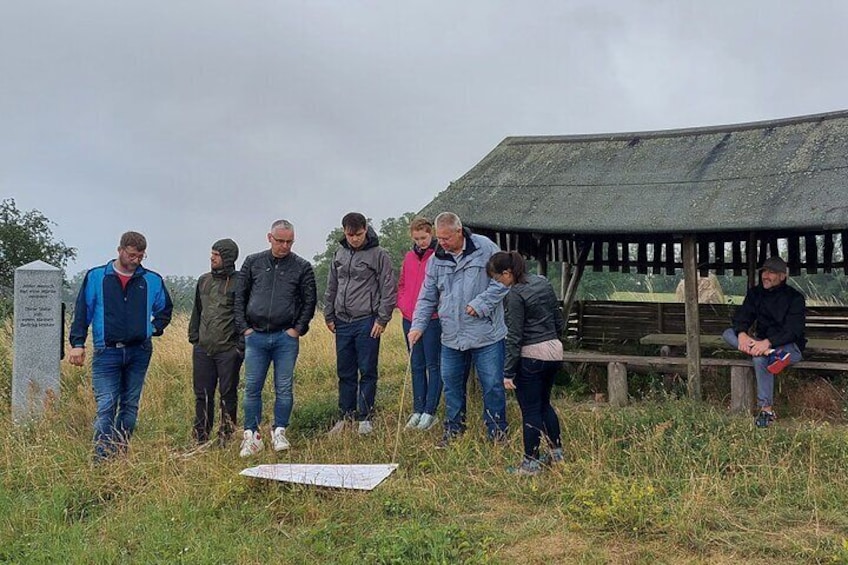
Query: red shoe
{"x": 779, "y": 360}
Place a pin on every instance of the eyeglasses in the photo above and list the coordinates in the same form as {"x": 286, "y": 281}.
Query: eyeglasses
{"x": 448, "y": 237}
{"x": 282, "y": 241}
{"x": 139, "y": 255}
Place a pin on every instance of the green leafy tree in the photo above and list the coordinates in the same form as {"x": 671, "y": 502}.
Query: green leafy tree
{"x": 71, "y": 290}
{"x": 181, "y": 290}
{"x": 321, "y": 262}
{"x": 26, "y": 237}
{"x": 394, "y": 238}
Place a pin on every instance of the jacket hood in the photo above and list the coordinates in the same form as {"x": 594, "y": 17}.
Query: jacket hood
{"x": 371, "y": 240}
{"x": 229, "y": 253}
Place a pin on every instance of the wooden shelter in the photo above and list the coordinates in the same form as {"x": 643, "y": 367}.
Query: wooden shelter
{"x": 702, "y": 199}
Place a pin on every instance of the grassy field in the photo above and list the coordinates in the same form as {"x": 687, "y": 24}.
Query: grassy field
{"x": 663, "y": 481}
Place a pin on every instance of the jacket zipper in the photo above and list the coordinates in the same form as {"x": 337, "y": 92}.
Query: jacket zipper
{"x": 347, "y": 283}
{"x": 271, "y": 302}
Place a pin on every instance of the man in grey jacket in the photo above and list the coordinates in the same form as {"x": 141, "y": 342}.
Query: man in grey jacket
{"x": 361, "y": 295}
{"x": 470, "y": 307}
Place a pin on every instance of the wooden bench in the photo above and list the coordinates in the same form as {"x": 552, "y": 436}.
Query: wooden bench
{"x": 624, "y": 324}
{"x": 597, "y": 324}
{"x": 742, "y": 383}
{"x": 814, "y": 345}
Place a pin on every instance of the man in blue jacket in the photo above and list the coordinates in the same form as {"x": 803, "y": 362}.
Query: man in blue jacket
{"x": 470, "y": 307}
{"x": 125, "y": 305}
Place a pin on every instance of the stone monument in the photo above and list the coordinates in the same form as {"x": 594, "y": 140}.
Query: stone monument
{"x": 38, "y": 330}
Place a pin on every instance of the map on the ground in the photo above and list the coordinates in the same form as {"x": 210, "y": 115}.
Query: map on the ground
{"x": 359, "y": 477}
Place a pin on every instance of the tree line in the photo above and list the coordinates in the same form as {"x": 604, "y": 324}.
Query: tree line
{"x": 26, "y": 236}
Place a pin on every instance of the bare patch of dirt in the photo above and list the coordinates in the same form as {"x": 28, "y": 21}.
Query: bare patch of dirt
{"x": 818, "y": 399}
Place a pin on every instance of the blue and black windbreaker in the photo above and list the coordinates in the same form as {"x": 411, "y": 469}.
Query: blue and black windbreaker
{"x": 117, "y": 315}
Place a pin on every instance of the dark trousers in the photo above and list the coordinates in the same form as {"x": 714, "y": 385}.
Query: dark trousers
{"x": 220, "y": 370}
{"x": 356, "y": 363}
{"x": 533, "y": 385}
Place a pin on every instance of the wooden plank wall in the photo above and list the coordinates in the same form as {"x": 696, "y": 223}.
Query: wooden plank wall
{"x": 719, "y": 253}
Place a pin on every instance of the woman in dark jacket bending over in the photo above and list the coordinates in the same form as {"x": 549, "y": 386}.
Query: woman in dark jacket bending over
{"x": 533, "y": 354}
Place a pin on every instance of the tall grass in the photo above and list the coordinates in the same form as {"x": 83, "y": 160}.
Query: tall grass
{"x": 663, "y": 481}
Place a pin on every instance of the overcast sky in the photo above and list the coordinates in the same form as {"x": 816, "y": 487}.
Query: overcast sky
{"x": 195, "y": 120}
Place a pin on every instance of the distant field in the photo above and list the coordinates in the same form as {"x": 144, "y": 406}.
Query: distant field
{"x": 660, "y": 297}
{"x": 671, "y": 297}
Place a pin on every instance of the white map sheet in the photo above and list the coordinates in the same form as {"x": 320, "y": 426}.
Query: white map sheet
{"x": 359, "y": 477}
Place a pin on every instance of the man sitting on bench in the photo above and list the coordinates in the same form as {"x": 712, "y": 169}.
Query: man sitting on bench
{"x": 769, "y": 326}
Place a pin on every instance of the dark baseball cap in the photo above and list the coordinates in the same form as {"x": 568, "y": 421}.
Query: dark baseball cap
{"x": 774, "y": 264}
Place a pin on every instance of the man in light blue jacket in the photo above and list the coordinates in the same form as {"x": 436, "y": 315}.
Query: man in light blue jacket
{"x": 470, "y": 307}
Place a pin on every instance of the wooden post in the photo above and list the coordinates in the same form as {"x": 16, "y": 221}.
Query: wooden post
{"x": 542, "y": 244}
{"x": 566, "y": 276}
{"x": 751, "y": 259}
{"x": 693, "y": 324}
{"x": 741, "y": 390}
{"x": 571, "y": 292}
{"x": 617, "y": 384}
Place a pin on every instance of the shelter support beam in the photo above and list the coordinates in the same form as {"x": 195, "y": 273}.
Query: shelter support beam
{"x": 693, "y": 336}
{"x": 574, "y": 279}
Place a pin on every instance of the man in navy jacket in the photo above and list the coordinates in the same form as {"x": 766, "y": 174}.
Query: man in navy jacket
{"x": 769, "y": 326}
{"x": 125, "y": 305}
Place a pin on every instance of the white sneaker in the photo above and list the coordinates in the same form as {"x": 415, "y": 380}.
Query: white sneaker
{"x": 427, "y": 421}
{"x": 413, "y": 421}
{"x": 278, "y": 436}
{"x": 251, "y": 444}
{"x": 365, "y": 427}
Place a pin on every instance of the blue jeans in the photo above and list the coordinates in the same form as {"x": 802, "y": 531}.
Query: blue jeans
{"x": 117, "y": 377}
{"x": 356, "y": 364}
{"x": 425, "y": 362}
{"x": 260, "y": 349}
{"x": 765, "y": 380}
{"x": 533, "y": 385}
{"x": 489, "y": 362}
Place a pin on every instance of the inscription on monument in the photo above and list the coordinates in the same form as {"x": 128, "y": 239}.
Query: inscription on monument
{"x": 39, "y": 316}
{"x": 37, "y": 339}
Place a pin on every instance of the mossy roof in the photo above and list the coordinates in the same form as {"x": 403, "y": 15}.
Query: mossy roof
{"x": 787, "y": 174}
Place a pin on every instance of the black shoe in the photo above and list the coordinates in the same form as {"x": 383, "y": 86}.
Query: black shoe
{"x": 446, "y": 440}
{"x": 765, "y": 419}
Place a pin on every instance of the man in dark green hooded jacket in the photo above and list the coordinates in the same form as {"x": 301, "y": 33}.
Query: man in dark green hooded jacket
{"x": 218, "y": 349}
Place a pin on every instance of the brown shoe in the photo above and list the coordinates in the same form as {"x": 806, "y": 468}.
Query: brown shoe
{"x": 339, "y": 428}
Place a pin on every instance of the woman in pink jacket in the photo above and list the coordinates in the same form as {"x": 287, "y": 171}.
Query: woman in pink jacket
{"x": 426, "y": 376}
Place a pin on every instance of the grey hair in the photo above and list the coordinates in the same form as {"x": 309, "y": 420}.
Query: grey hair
{"x": 282, "y": 225}
{"x": 448, "y": 220}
